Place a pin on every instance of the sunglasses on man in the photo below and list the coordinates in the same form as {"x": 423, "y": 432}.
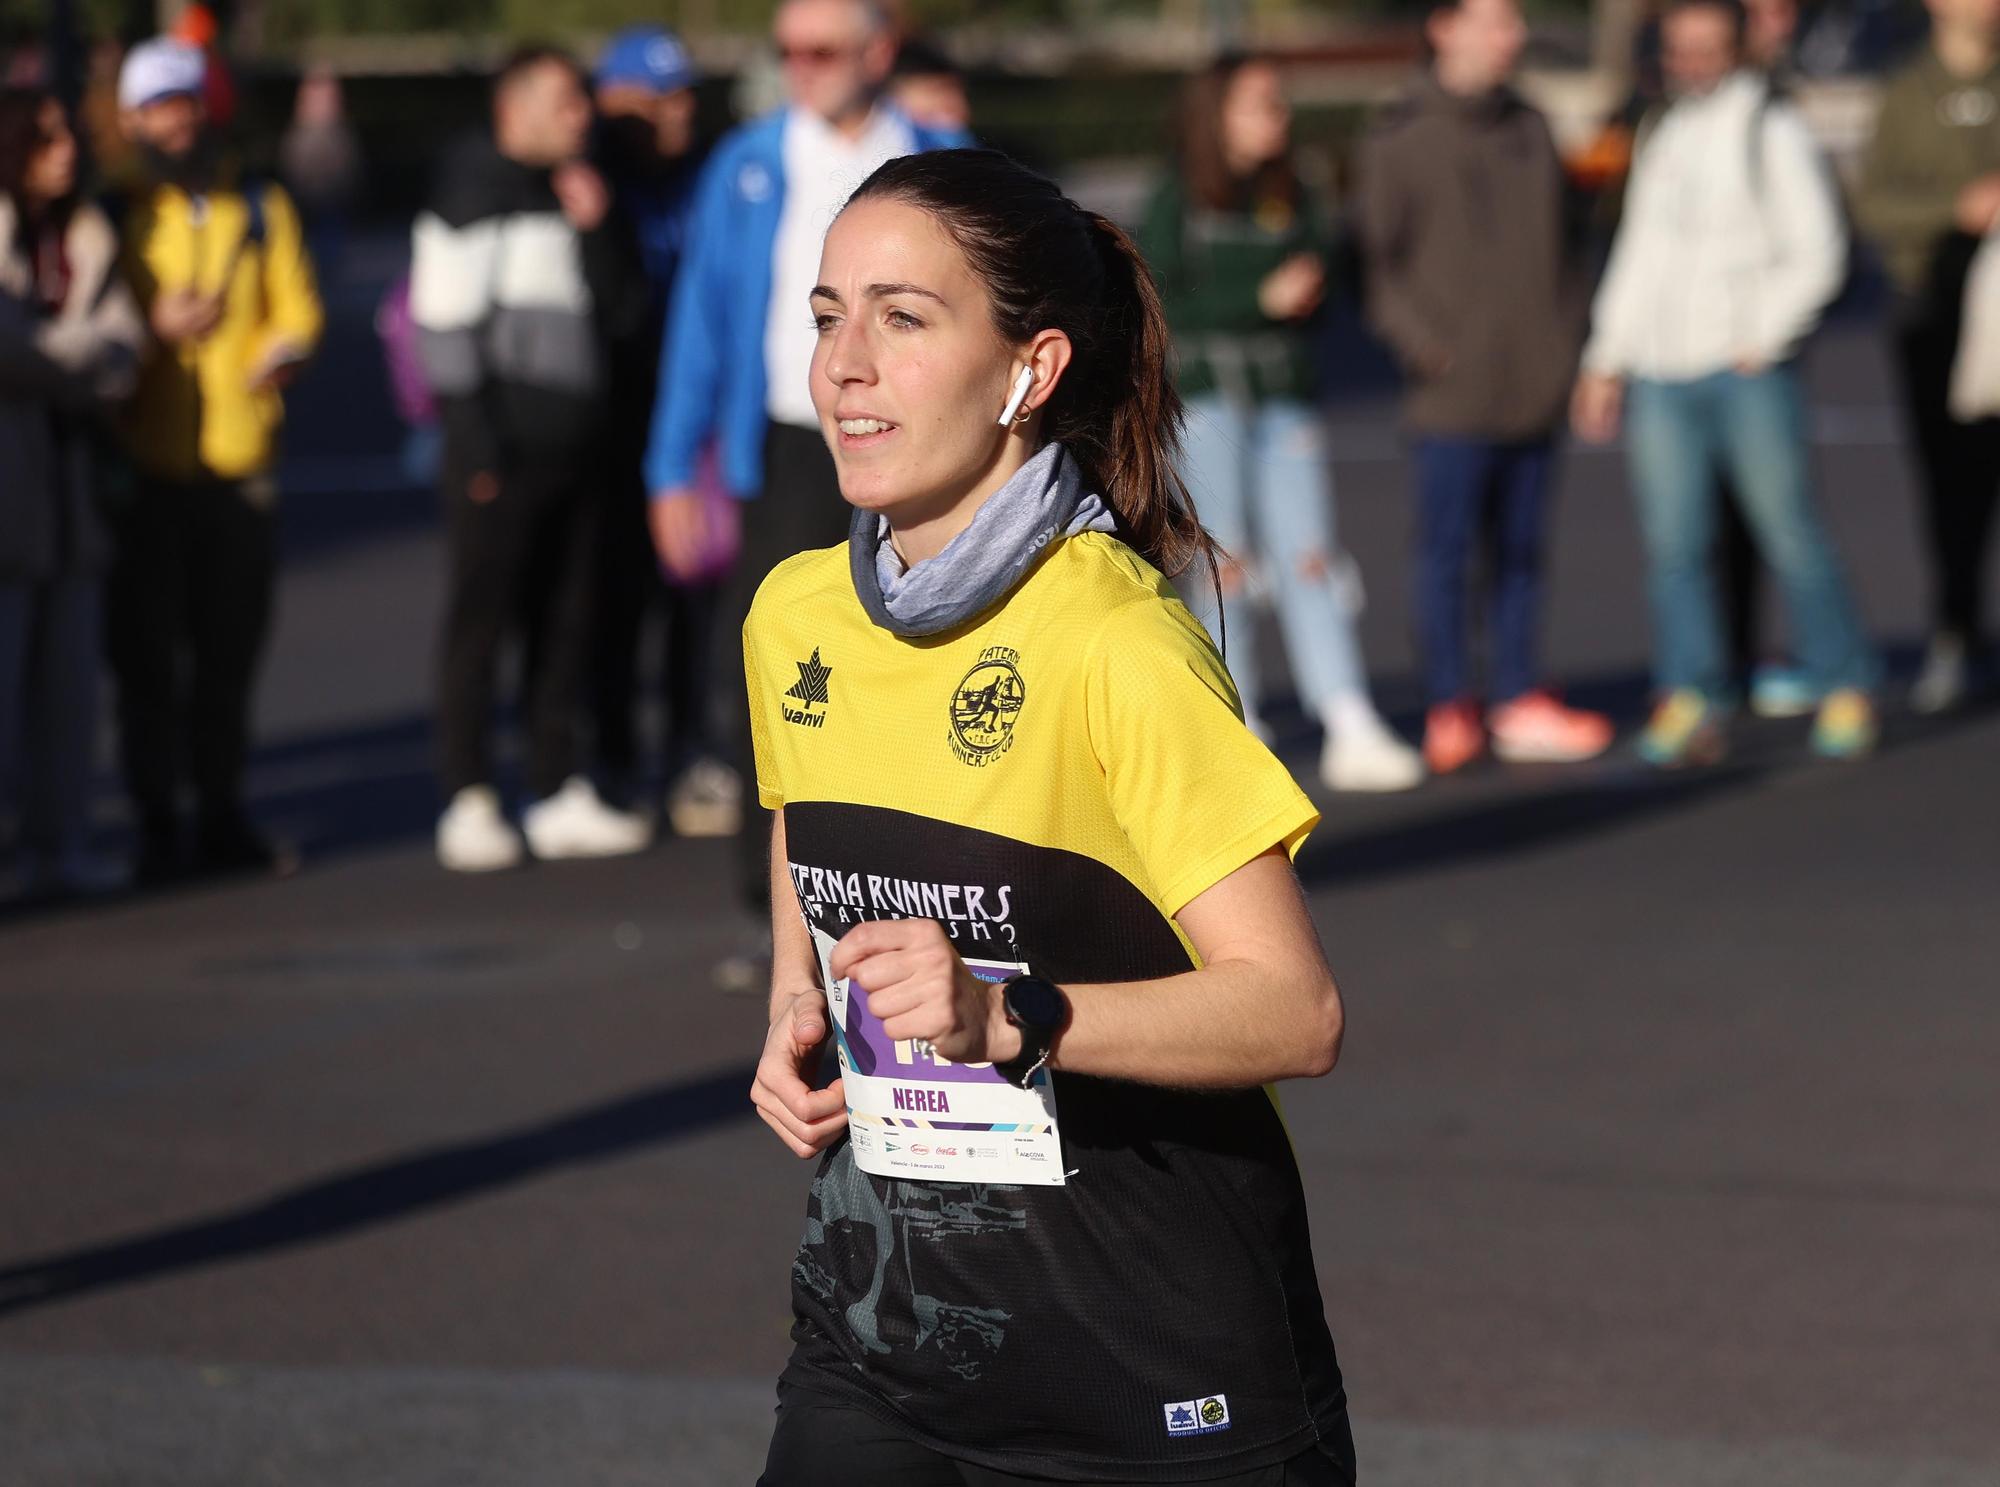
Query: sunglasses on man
{"x": 818, "y": 56}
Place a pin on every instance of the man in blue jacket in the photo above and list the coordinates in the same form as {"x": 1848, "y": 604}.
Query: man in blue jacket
{"x": 736, "y": 365}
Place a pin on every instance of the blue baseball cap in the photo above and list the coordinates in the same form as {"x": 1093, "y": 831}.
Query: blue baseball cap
{"x": 650, "y": 57}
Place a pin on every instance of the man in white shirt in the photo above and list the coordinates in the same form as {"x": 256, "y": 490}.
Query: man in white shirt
{"x": 735, "y": 368}
{"x": 1731, "y": 248}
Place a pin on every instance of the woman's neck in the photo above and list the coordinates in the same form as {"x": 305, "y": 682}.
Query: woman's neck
{"x": 921, "y": 534}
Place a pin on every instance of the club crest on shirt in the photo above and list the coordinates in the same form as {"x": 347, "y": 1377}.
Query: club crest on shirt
{"x": 810, "y": 690}
{"x": 985, "y": 706}
{"x": 1197, "y": 1416}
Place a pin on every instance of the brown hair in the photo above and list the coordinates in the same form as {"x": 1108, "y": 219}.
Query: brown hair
{"x": 528, "y": 57}
{"x": 1048, "y": 264}
{"x": 21, "y": 138}
{"x": 1198, "y": 145}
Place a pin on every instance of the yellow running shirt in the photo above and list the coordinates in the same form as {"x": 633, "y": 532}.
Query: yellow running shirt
{"x": 1051, "y": 781}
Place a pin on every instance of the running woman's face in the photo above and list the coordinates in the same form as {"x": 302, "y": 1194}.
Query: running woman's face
{"x": 909, "y": 374}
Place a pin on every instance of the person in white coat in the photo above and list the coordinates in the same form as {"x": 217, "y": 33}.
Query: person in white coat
{"x": 1731, "y": 248}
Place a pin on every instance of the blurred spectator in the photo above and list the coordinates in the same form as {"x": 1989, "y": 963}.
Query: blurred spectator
{"x": 521, "y": 276}
{"x": 1931, "y": 193}
{"x": 1770, "y": 40}
{"x": 198, "y": 28}
{"x": 1774, "y": 689}
{"x": 646, "y": 113}
{"x": 928, "y": 87}
{"x": 740, "y": 334}
{"x": 1731, "y": 248}
{"x": 320, "y": 159}
{"x": 220, "y": 269}
{"x": 70, "y": 337}
{"x": 1236, "y": 242}
{"x": 1474, "y": 284}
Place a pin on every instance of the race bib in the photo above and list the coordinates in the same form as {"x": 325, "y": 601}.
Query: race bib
{"x": 911, "y": 1113}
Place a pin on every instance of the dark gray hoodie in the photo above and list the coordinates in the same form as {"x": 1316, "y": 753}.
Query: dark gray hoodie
{"x": 1473, "y": 277}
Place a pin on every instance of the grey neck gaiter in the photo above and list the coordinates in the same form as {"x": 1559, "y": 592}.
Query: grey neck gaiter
{"x": 1045, "y": 500}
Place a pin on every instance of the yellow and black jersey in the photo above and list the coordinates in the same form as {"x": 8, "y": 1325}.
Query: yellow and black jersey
{"x": 1052, "y": 781}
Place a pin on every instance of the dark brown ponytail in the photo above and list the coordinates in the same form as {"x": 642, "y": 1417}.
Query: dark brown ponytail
{"x": 1048, "y": 264}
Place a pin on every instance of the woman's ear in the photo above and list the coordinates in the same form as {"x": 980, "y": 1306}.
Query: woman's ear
{"x": 1048, "y": 356}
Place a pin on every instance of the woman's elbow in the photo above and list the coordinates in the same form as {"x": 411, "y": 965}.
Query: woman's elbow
{"x": 1324, "y": 1031}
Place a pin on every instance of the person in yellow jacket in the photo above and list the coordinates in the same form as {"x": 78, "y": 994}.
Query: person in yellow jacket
{"x": 219, "y": 266}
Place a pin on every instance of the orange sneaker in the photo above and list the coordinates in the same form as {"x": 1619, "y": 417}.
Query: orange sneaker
{"x": 1538, "y": 728}
{"x": 1453, "y": 736}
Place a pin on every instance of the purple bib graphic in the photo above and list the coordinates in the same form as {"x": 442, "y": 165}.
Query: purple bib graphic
{"x": 872, "y": 1053}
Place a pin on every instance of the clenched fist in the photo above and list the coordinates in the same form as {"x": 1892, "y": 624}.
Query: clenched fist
{"x": 918, "y": 988}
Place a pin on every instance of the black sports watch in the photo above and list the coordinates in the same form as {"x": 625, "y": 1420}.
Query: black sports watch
{"x": 1040, "y": 1010}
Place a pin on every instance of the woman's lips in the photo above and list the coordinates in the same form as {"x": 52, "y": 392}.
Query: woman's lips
{"x": 864, "y": 432}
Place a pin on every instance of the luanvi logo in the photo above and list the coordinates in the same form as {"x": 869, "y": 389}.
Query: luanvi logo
{"x": 811, "y": 691}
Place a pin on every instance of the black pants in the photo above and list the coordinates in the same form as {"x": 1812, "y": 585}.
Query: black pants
{"x": 821, "y": 1441}
{"x": 800, "y": 508}
{"x": 520, "y": 562}
{"x": 1960, "y": 464}
{"x": 188, "y": 608}
{"x": 48, "y": 707}
{"x": 630, "y": 590}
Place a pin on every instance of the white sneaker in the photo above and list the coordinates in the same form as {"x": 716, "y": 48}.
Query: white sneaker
{"x": 474, "y": 837}
{"x": 707, "y": 800}
{"x": 575, "y": 822}
{"x": 1946, "y": 679}
{"x": 1366, "y": 755}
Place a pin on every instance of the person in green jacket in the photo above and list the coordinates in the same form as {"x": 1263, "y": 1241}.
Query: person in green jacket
{"x": 1930, "y": 194}
{"x": 1233, "y": 238}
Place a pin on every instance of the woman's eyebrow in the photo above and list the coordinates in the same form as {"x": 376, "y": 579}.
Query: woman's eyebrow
{"x": 890, "y": 291}
{"x": 878, "y": 291}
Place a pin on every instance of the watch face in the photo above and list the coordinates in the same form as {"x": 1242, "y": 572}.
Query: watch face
{"x": 1033, "y": 1002}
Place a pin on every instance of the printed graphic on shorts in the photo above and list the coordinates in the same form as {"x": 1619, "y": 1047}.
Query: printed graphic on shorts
{"x": 986, "y": 705}
{"x": 1202, "y": 1416}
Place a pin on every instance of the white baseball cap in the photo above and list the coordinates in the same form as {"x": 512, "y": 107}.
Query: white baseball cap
{"x": 158, "y": 69}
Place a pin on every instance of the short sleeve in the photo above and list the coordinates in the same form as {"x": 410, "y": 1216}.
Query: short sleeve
{"x": 1197, "y": 793}
{"x": 770, "y": 792}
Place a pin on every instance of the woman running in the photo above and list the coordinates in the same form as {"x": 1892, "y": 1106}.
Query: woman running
{"x": 1234, "y": 236}
{"x": 1030, "y": 871}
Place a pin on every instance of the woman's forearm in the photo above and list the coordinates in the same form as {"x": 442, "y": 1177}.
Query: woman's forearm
{"x": 794, "y": 963}
{"x": 1229, "y": 1025}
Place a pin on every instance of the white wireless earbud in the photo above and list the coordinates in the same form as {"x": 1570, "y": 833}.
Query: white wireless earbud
{"x": 1021, "y": 385}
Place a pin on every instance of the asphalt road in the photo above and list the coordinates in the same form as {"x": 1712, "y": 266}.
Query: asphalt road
{"x": 1662, "y": 1152}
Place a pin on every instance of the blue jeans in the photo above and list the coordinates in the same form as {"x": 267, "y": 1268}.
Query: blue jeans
{"x": 1469, "y": 489}
{"x": 1752, "y": 431}
{"x": 1263, "y": 485}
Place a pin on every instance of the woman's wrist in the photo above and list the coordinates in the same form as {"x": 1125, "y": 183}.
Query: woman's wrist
{"x": 784, "y": 998}
{"x": 1003, "y": 1039}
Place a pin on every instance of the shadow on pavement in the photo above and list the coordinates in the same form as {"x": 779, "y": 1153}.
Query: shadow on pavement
{"x": 352, "y": 1201}
{"x": 1516, "y": 823}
